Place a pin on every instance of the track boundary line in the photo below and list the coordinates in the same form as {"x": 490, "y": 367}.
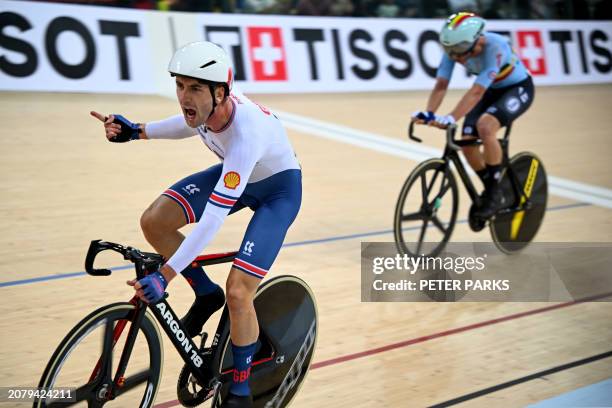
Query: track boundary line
{"x": 574, "y": 190}
{"x": 521, "y": 380}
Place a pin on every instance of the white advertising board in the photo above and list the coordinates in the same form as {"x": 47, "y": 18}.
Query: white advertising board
{"x": 52, "y": 47}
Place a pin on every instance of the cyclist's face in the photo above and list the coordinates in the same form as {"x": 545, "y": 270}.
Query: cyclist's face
{"x": 476, "y": 50}
{"x": 462, "y": 59}
{"x": 194, "y": 98}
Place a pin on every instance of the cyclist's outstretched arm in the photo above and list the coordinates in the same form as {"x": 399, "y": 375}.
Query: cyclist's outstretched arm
{"x": 119, "y": 129}
{"x": 437, "y": 94}
{"x": 173, "y": 127}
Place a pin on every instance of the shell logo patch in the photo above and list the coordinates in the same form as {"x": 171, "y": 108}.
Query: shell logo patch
{"x": 231, "y": 179}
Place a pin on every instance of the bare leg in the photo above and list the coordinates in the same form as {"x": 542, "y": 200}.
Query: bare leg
{"x": 244, "y": 331}
{"x": 487, "y": 126}
{"x": 241, "y": 288}
{"x": 473, "y": 156}
{"x": 160, "y": 224}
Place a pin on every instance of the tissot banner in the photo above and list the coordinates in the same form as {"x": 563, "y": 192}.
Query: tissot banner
{"x": 55, "y": 47}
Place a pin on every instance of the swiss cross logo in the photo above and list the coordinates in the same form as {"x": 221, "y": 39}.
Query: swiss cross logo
{"x": 531, "y": 51}
{"x": 267, "y": 54}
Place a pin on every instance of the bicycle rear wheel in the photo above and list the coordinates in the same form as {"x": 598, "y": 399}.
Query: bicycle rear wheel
{"x": 426, "y": 209}
{"x": 287, "y": 316}
{"x": 514, "y": 230}
{"x": 90, "y": 353}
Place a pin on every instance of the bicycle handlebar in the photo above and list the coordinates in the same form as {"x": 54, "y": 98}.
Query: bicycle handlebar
{"x": 450, "y": 135}
{"x": 411, "y": 132}
{"x": 141, "y": 259}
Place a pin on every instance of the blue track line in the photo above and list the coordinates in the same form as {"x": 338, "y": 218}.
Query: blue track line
{"x": 290, "y": 244}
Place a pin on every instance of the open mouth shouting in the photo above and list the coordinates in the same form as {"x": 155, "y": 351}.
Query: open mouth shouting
{"x": 190, "y": 114}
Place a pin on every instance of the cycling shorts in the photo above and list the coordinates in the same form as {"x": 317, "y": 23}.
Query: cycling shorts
{"x": 275, "y": 202}
{"x": 506, "y": 104}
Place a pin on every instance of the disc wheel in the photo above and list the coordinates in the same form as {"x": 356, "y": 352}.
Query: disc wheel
{"x": 426, "y": 209}
{"x": 87, "y": 359}
{"x": 514, "y": 230}
{"x": 287, "y": 316}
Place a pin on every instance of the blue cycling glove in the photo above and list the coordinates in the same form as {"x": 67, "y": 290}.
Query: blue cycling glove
{"x": 426, "y": 116}
{"x": 154, "y": 286}
{"x": 129, "y": 130}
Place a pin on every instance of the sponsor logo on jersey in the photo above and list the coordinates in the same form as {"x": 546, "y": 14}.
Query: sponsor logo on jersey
{"x": 248, "y": 248}
{"x": 231, "y": 179}
{"x": 513, "y": 104}
{"x": 191, "y": 189}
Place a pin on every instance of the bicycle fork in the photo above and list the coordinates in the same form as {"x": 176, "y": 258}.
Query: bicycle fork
{"x": 111, "y": 337}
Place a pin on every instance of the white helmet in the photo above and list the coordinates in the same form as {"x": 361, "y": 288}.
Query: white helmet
{"x": 205, "y": 61}
{"x": 460, "y": 33}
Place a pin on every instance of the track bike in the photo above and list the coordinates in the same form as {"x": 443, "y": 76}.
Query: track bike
{"x": 426, "y": 210}
{"x": 107, "y": 371}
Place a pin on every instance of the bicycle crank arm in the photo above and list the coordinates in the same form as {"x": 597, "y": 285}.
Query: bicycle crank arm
{"x": 511, "y": 210}
{"x": 216, "y": 392}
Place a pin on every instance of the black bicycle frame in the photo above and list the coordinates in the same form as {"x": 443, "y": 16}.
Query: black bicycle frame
{"x": 451, "y": 155}
{"x": 190, "y": 353}
{"x": 177, "y": 333}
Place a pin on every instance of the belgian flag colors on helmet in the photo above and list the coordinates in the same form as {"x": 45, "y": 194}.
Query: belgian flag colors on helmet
{"x": 461, "y": 29}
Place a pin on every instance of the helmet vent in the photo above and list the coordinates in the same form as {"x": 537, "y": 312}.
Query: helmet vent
{"x": 208, "y": 64}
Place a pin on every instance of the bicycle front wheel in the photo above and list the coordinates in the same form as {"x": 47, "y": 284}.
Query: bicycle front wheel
{"x": 89, "y": 355}
{"x": 426, "y": 209}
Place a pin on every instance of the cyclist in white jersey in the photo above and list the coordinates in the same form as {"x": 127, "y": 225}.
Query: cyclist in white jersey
{"x": 259, "y": 170}
{"x": 503, "y": 91}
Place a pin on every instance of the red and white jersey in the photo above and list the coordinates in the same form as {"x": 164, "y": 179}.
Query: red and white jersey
{"x": 253, "y": 146}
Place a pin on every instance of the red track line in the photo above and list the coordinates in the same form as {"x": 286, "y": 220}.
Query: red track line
{"x": 168, "y": 404}
{"x": 422, "y": 339}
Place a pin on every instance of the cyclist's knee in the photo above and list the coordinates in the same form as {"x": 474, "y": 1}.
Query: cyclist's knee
{"x": 487, "y": 126}
{"x": 238, "y": 297}
{"x": 240, "y": 290}
{"x": 161, "y": 216}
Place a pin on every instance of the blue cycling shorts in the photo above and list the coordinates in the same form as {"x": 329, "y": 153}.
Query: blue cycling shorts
{"x": 275, "y": 202}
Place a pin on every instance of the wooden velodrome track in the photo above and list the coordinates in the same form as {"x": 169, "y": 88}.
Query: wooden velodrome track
{"x": 63, "y": 185}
